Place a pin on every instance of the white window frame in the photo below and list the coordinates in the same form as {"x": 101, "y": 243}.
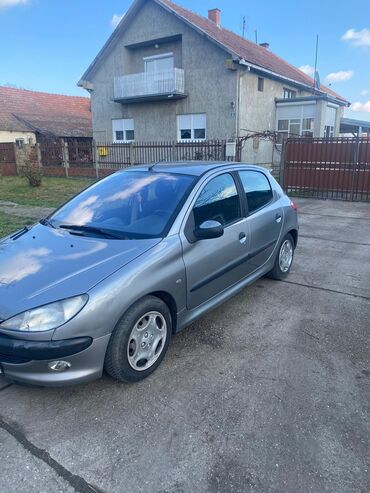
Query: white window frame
{"x": 158, "y": 57}
{"x": 301, "y": 116}
{"x": 289, "y": 93}
{"x": 123, "y": 125}
{"x": 192, "y": 117}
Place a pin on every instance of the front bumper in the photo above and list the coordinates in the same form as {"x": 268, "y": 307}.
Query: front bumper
{"x": 27, "y": 361}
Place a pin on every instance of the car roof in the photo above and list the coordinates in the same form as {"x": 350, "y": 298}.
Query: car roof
{"x": 194, "y": 168}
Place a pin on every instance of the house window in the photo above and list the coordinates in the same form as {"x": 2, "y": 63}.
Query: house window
{"x": 289, "y": 93}
{"x": 295, "y": 127}
{"x": 261, "y": 83}
{"x": 329, "y": 131}
{"x": 19, "y": 143}
{"x": 159, "y": 63}
{"x": 191, "y": 127}
{"x": 307, "y": 127}
{"x": 123, "y": 130}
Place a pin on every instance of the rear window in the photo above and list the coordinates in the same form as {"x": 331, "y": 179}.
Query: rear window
{"x": 257, "y": 189}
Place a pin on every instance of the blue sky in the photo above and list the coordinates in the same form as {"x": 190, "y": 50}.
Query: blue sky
{"x": 47, "y": 44}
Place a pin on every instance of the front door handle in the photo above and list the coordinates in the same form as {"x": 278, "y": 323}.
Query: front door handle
{"x": 278, "y": 218}
{"x": 242, "y": 238}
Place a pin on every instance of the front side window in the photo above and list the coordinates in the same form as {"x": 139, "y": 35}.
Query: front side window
{"x": 192, "y": 127}
{"x": 123, "y": 130}
{"x": 261, "y": 84}
{"x": 218, "y": 201}
{"x": 257, "y": 189}
{"x": 133, "y": 204}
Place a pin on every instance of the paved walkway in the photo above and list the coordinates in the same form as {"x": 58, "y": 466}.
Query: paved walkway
{"x": 28, "y": 211}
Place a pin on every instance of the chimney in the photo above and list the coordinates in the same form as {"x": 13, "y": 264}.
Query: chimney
{"x": 214, "y": 15}
{"x": 265, "y": 45}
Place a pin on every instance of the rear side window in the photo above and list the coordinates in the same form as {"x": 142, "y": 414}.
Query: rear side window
{"x": 257, "y": 189}
{"x": 218, "y": 201}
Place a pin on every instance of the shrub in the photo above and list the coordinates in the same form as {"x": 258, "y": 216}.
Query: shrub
{"x": 32, "y": 173}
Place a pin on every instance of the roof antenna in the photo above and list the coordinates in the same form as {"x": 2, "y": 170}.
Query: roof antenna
{"x": 151, "y": 166}
{"x": 316, "y": 79}
{"x": 244, "y": 22}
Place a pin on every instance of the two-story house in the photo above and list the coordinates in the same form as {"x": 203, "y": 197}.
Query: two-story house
{"x": 167, "y": 73}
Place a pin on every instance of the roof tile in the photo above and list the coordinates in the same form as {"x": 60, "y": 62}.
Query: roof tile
{"x": 245, "y": 49}
{"x": 57, "y": 114}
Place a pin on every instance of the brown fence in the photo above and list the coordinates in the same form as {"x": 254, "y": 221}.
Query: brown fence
{"x": 87, "y": 158}
{"x": 8, "y": 164}
{"x": 336, "y": 168}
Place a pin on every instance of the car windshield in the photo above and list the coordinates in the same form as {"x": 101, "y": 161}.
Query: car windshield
{"x": 130, "y": 204}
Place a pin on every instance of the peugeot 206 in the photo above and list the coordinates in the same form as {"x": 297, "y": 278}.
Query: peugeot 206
{"x": 105, "y": 281}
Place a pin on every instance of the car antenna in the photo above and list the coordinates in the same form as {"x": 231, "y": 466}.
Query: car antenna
{"x": 151, "y": 166}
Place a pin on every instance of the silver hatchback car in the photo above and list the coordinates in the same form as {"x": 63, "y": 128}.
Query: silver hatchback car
{"x": 107, "y": 279}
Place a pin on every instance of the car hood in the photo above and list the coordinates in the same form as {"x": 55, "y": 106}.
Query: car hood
{"x": 44, "y": 265}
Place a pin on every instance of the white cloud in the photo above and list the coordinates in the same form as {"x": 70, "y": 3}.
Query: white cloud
{"x": 357, "y": 38}
{"x": 115, "y": 20}
{"x": 365, "y": 107}
{"x": 11, "y": 3}
{"x": 307, "y": 69}
{"x": 364, "y": 92}
{"x": 339, "y": 76}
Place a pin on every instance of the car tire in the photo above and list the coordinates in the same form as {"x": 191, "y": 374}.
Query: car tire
{"x": 140, "y": 341}
{"x": 283, "y": 260}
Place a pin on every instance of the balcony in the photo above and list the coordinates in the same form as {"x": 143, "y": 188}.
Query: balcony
{"x": 150, "y": 86}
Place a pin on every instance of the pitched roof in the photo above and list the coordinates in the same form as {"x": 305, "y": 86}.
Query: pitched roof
{"x": 245, "y": 49}
{"x": 56, "y": 114}
{"x": 237, "y": 46}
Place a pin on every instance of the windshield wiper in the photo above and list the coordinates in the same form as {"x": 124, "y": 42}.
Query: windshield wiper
{"x": 46, "y": 222}
{"x": 107, "y": 233}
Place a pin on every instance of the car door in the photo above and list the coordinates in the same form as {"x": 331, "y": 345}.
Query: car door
{"x": 265, "y": 217}
{"x": 213, "y": 265}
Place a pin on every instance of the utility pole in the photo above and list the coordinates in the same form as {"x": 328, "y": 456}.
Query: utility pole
{"x": 243, "y": 26}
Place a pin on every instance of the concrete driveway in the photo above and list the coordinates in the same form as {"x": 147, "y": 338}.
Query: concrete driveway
{"x": 268, "y": 393}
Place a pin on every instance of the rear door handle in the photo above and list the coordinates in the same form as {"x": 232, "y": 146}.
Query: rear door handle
{"x": 278, "y": 218}
{"x": 242, "y": 238}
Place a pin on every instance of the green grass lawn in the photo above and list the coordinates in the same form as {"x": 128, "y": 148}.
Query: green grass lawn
{"x": 51, "y": 193}
{"x": 10, "y": 223}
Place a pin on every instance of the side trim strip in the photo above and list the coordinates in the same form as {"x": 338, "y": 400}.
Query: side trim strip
{"x": 231, "y": 265}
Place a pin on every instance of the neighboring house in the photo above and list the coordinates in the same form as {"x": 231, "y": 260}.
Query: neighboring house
{"x": 169, "y": 74}
{"x": 27, "y": 117}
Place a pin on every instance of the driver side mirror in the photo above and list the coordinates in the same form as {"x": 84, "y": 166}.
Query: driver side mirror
{"x": 208, "y": 230}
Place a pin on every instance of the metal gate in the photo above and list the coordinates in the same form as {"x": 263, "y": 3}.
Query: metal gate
{"x": 335, "y": 168}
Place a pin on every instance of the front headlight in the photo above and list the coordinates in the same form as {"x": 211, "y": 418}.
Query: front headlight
{"x": 48, "y": 316}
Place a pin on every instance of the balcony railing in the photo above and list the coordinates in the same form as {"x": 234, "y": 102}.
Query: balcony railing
{"x": 150, "y": 85}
